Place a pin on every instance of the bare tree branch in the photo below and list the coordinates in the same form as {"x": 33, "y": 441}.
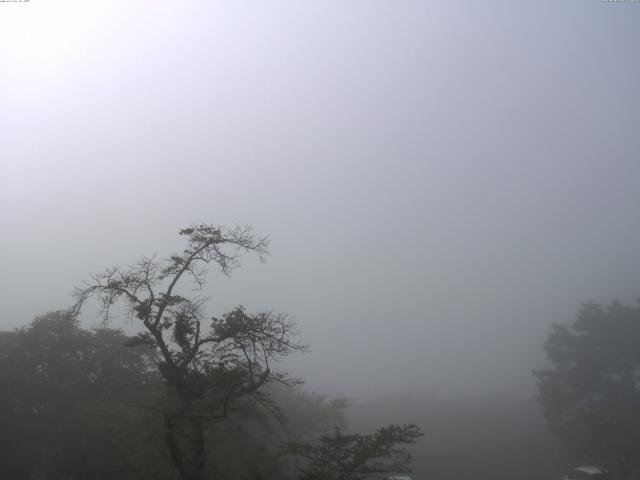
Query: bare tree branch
{"x": 205, "y": 367}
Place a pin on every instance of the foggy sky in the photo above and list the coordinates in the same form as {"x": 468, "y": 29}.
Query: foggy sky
{"x": 440, "y": 180}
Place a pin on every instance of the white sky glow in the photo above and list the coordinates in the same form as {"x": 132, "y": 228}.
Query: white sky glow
{"x": 441, "y": 180}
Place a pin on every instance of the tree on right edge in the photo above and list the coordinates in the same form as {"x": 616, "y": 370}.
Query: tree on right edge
{"x": 591, "y": 394}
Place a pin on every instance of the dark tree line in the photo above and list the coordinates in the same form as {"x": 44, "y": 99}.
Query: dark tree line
{"x": 192, "y": 396}
{"x": 77, "y": 404}
{"x": 196, "y": 396}
{"x": 81, "y": 404}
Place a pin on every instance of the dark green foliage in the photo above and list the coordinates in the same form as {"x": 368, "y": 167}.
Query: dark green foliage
{"x": 77, "y": 404}
{"x": 591, "y": 395}
{"x": 246, "y": 445}
{"x": 344, "y": 456}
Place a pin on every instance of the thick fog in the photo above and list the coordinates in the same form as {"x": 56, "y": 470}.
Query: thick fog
{"x": 440, "y": 180}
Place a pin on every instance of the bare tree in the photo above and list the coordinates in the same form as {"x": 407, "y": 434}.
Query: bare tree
{"x": 206, "y": 363}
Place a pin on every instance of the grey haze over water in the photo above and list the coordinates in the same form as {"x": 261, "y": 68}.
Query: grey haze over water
{"x": 440, "y": 180}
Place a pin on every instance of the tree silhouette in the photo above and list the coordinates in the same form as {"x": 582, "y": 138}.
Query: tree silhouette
{"x": 207, "y": 363}
{"x": 591, "y": 394}
{"x": 353, "y": 456}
